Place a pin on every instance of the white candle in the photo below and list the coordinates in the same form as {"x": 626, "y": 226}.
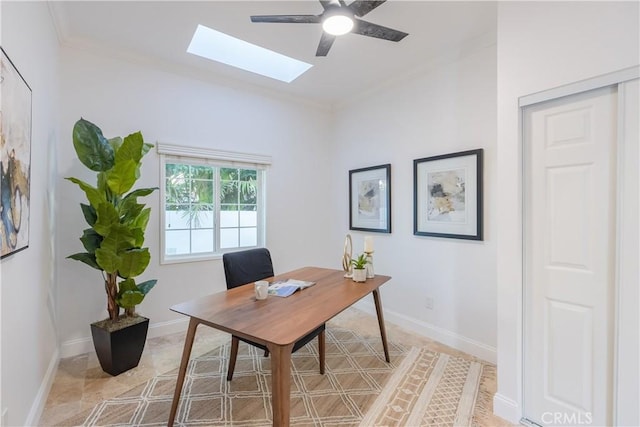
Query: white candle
{"x": 368, "y": 244}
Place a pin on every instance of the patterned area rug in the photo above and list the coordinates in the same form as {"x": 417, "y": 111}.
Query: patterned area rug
{"x": 418, "y": 387}
{"x": 428, "y": 389}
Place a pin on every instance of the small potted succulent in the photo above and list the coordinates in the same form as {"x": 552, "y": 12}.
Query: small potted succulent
{"x": 359, "y": 268}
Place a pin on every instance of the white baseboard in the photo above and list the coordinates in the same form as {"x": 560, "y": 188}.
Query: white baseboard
{"x": 76, "y": 347}
{"x": 459, "y": 342}
{"x": 169, "y": 327}
{"x": 43, "y": 392}
{"x": 506, "y": 408}
{"x": 84, "y": 345}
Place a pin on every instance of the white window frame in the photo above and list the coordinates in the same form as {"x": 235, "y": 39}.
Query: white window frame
{"x": 170, "y": 153}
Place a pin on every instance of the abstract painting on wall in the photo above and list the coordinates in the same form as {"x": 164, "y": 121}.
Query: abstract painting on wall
{"x": 15, "y": 152}
{"x": 447, "y": 192}
{"x": 370, "y": 199}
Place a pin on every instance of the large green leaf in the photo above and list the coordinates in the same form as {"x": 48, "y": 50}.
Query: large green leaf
{"x": 94, "y": 196}
{"x": 129, "y": 209}
{"x": 89, "y": 259}
{"x": 146, "y": 286}
{"x": 91, "y": 240}
{"x": 136, "y": 224}
{"x": 107, "y": 217}
{"x": 131, "y": 148}
{"x": 145, "y": 149}
{"x": 129, "y": 206}
{"x": 89, "y": 214}
{"x": 102, "y": 185}
{"x": 143, "y": 219}
{"x": 122, "y": 177}
{"x": 129, "y": 295}
{"x": 140, "y": 192}
{"x": 129, "y": 299}
{"x": 115, "y": 143}
{"x": 138, "y": 234}
{"x": 134, "y": 262}
{"x": 127, "y": 285}
{"x": 107, "y": 259}
{"x": 92, "y": 148}
{"x": 120, "y": 238}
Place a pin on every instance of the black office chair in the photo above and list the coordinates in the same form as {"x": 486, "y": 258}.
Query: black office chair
{"x": 248, "y": 266}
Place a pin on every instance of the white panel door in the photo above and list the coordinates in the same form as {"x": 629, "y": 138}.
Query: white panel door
{"x": 570, "y": 196}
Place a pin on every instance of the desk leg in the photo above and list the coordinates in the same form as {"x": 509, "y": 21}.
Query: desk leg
{"x": 186, "y": 353}
{"x": 280, "y": 383}
{"x": 383, "y": 332}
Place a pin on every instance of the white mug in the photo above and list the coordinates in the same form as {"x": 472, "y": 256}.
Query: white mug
{"x": 262, "y": 289}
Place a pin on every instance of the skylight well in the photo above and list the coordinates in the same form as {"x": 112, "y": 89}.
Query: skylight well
{"x": 220, "y": 47}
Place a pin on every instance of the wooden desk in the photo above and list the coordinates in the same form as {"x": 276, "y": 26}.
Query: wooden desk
{"x": 277, "y": 322}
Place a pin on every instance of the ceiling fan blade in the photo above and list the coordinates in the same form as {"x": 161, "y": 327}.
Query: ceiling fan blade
{"x": 378, "y": 31}
{"x": 326, "y": 4}
{"x": 287, "y": 19}
{"x": 325, "y": 44}
{"x": 362, "y": 7}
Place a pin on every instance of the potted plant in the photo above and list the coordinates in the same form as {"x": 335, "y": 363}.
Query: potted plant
{"x": 114, "y": 240}
{"x": 359, "y": 268}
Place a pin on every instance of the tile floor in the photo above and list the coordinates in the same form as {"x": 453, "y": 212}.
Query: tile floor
{"x": 80, "y": 383}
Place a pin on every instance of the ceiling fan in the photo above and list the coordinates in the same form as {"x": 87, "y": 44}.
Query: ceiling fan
{"x": 338, "y": 19}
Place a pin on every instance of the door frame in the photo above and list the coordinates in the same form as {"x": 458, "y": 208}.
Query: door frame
{"x": 616, "y": 78}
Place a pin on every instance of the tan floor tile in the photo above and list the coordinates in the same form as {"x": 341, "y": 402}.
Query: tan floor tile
{"x": 80, "y": 383}
{"x": 56, "y": 413}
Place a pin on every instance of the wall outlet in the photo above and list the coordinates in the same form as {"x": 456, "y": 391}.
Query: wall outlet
{"x": 428, "y": 303}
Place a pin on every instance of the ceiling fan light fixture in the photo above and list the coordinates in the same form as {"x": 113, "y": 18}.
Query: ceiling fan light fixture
{"x": 337, "y": 25}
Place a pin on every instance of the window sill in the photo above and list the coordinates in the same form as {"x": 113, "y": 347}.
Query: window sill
{"x": 189, "y": 258}
{"x": 180, "y": 259}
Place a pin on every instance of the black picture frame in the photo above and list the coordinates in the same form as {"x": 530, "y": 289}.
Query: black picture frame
{"x": 370, "y": 199}
{"x": 15, "y": 171}
{"x": 448, "y": 195}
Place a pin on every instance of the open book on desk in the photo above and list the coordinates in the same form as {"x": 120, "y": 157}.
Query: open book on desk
{"x": 284, "y": 288}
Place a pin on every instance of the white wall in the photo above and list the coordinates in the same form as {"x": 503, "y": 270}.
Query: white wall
{"x": 123, "y": 97}
{"x": 628, "y": 368}
{"x": 541, "y": 45}
{"x": 448, "y": 108}
{"x": 29, "y": 341}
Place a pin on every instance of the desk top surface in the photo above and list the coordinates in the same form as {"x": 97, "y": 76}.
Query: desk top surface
{"x": 279, "y": 320}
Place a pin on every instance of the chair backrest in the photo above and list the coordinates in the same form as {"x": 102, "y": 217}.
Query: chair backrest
{"x": 247, "y": 266}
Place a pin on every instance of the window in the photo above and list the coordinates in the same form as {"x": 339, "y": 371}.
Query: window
{"x": 213, "y": 202}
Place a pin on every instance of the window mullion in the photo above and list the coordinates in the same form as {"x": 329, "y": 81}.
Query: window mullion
{"x": 190, "y": 211}
{"x": 261, "y": 222}
{"x": 238, "y": 206}
{"x": 216, "y": 219}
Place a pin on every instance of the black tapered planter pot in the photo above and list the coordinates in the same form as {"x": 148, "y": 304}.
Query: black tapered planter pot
{"x": 119, "y": 350}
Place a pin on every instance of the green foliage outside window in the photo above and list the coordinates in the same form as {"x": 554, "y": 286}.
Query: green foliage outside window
{"x": 190, "y": 189}
{"x": 238, "y": 189}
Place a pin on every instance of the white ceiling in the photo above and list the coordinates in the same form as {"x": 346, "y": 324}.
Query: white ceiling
{"x": 161, "y": 31}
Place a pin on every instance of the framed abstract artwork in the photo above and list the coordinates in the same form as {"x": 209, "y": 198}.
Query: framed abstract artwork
{"x": 370, "y": 199}
{"x": 15, "y": 147}
{"x": 447, "y": 195}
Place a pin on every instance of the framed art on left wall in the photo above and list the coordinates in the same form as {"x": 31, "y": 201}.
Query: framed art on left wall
{"x": 15, "y": 165}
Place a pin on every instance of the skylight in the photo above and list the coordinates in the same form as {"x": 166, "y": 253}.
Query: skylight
{"x": 221, "y": 47}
